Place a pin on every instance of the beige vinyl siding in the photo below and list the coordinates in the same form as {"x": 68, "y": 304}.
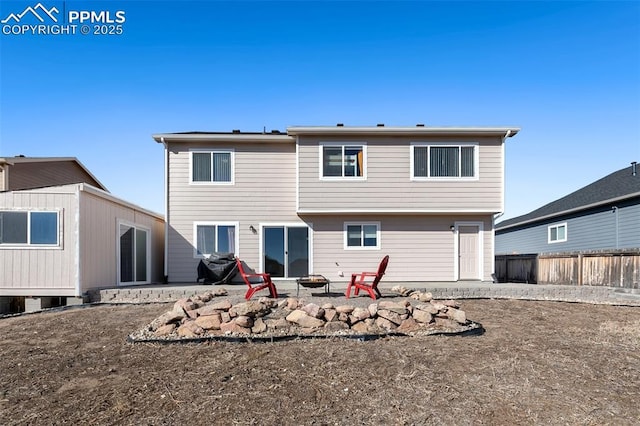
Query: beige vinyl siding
{"x": 421, "y": 248}
{"x": 99, "y": 219}
{"x": 39, "y": 271}
{"x": 263, "y": 193}
{"x": 389, "y": 188}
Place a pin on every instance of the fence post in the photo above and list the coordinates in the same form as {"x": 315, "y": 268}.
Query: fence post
{"x": 580, "y": 272}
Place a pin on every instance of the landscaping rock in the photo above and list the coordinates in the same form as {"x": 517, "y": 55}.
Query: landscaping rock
{"x": 223, "y": 305}
{"x": 359, "y": 314}
{"x": 392, "y": 316}
{"x": 398, "y": 308}
{"x": 313, "y": 310}
{"x": 301, "y": 318}
{"x": 190, "y": 329}
{"x": 210, "y": 322}
{"x": 250, "y": 309}
{"x": 409, "y": 325}
{"x": 385, "y": 324}
{"x": 231, "y": 328}
{"x": 165, "y": 330}
{"x": 330, "y": 315}
{"x": 336, "y": 326}
{"x": 345, "y": 309}
{"x": 244, "y": 321}
{"x": 457, "y": 315}
{"x": 259, "y": 326}
{"x": 422, "y": 316}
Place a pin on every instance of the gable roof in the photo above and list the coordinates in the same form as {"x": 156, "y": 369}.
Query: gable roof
{"x": 619, "y": 185}
{"x": 60, "y": 164}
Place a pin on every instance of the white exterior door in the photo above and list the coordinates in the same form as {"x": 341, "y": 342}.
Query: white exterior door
{"x": 469, "y": 252}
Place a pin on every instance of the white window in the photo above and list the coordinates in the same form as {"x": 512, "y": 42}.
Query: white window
{"x": 214, "y": 237}
{"x": 29, "y": 228}
{"x": 443, "y": 161}
{"x": 343, "y": 161}
{"x": 363, "y": 235}
{"x": 212, "y": 167}
{"x": 557, "y": 233}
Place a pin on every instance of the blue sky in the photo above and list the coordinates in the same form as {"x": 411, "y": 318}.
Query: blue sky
{"x": 566, "y": 72}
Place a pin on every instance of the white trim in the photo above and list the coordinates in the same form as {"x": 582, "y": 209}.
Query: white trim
{"x": 397, "y": 130}
{"x": 342, "y": 144}
{"x": 261, "y": 227}
{"x": 216, "y": 224}
{"x": 378, "y": 245}
{"x": 429, "y": 145}
{"x": 456, "y": 248}
{"x": 28, "y": 245}
{"x": 76, "y": 237}
{"x": 557, "y": 225}
{"x": 395, "y": 211}
{"x": 136, "y": 227}
{"x": 212, "y": 151}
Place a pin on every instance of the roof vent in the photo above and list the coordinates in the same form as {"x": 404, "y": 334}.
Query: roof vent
{"x": 340, "y": 125}
{"x": 420, "y": 125}
{"x": 275, "y": 132}
{"x": 633, "y": 168}
{"x": 235, "y": 131}
{"x": 20, "y": 156}
{"x": 380, "y": 124}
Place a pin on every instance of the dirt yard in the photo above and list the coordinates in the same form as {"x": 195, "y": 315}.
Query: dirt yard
{"x": 538, "y": 362}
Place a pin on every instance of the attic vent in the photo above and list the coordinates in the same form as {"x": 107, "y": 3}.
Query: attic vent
{"x": 420, "y": 125}
{"x": 235, "y": 131}
{"x": 340, "y": 125}
{"x": 380, "y": 124}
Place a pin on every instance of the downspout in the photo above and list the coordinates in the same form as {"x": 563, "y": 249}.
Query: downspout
{"x": 615, "y": 211}
{"x": 166, "y": 211}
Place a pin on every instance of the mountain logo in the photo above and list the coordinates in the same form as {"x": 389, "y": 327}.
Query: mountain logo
{"x": 38, "y": 11}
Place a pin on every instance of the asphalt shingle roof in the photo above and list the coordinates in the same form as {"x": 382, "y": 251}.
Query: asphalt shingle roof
{"x": 620, "y": 184}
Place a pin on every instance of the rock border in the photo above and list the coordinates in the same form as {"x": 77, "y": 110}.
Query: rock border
{"x": 205, "y": 318}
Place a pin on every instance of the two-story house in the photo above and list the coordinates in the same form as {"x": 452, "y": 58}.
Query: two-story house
{"x": 335, "y": 200}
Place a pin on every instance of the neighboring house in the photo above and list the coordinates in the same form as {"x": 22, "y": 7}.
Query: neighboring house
{"x": 603, "y": 215}
{"x": 57, "y": 241}
{"x": 335, "y": 200}
{"x": 34, "y": 172}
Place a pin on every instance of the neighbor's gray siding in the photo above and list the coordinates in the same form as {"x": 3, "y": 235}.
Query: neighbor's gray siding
{"x": 591, "y": 230}
{"x": 39, "y": 271}
{"x": 264, "y": 193}
{"x": 421, "y": 248}
{"x": 99, "y": 219}
{"x": 389, "y": 187}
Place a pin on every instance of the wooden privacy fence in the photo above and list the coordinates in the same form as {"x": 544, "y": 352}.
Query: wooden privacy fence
{"x": 611, "y": 268}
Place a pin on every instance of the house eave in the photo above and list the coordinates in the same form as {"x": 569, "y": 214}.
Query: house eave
{"x": 402, "y": 131}
{"x": 223, "y": 137}
{"x": 396, "y": 211}
{"x": 569, "y": 211}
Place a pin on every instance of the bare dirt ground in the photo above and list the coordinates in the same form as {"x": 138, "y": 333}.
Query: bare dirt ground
{"x": 538, "y": 362}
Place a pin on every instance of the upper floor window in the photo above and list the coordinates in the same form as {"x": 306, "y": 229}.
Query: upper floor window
{"x": 557, "y": 233}
{"x": 29, "y": 228}
{"x": 343, "y": 161}
{"x": 364, "y": 235}
{"x": 212, "y": 166}
{"x": 443, "y": 161}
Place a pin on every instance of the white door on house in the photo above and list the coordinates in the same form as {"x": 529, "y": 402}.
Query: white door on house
{"x": 285, "y": 251}
{"x": 469, "y": 252}
{"x": 133, "y": 255}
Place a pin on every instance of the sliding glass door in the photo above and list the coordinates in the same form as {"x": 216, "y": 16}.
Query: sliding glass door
{"x": 133, "y": 253}
{"x": 286, "y": 251}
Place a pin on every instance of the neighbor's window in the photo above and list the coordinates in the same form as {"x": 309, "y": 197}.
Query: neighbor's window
{"x": 343, "y": 161}
{"x": 430, "y": 161}
{"x": 214, "y": 238}
{"x": 362, "y": 235}
{"x": 35, "y": 228}
{"x": 558, "y": 233}
{"x": 212, "y": 167}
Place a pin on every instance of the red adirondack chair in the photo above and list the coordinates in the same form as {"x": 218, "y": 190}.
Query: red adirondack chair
{"x": 368, "y": 281}
{"x": 256, "y": 282}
